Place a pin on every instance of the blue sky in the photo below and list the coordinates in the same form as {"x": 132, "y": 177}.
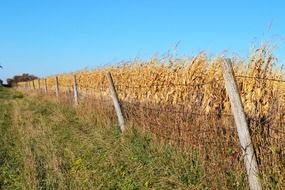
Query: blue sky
{"x": 45, "y": 37}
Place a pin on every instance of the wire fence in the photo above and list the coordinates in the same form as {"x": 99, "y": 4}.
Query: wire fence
{"x": 189, "y": 126}
{"x": 261, "y": 78}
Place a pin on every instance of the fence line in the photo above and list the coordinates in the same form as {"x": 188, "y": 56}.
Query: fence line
{"x": 260, "y": 78}
{"x": 167, "y": 85}
{"x": 251, "y": 164}
{"x": 180, "y": 112}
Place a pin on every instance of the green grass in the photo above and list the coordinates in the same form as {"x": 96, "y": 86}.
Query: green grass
{"x": 11, "y": 163}
{"x": 47, "y": 146}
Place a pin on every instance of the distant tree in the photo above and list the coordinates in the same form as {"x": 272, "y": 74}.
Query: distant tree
{"x": 20, "y": 78}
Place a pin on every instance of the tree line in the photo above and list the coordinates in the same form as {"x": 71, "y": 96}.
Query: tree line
{"x": 19, "y": 78}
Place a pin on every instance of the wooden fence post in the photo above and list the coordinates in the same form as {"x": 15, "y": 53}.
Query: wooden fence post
{"x": 31, "y": 86}
{"x": 39, "y": 86}
{"x": 46, "y": 89}
{"x": 56, "y": 86}
{"x": 75, "y": 90}
{"x": 34, "y": 87}
{"x": 242, "y": 126}
{"x": 116, "y": 102}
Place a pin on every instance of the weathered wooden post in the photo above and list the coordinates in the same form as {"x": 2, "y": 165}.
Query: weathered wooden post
{"x": 56, "y": 86}
{"x": 26, "y": 86}
{"x": 45, "y": 83}
{"x": 75, "y": 90}
{"x": 34, "y": 87}
{"x": 39, "y": 86}
{"x": 116, "y": 102}
{"x": 242, "y": 126}
{"x": 31, "y": 86}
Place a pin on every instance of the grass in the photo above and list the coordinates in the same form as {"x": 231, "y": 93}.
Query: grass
{"x": 11, "y": 163}
{"x": 47, "y": 146}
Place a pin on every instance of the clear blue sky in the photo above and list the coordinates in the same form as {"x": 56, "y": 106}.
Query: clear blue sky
{"x": 45, "y": 37}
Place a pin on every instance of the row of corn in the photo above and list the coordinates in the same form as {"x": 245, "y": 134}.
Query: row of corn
{"x": 195, "y": 82}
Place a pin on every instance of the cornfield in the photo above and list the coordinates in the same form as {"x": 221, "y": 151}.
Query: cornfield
{"x": 184, "y": 102}
{"x": 183, "y": 81}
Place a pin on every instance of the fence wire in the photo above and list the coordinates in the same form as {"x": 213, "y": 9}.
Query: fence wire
{"x": 212, "y": 134}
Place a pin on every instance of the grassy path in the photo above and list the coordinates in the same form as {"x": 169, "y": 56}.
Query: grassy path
{"x": 47, "y": 146}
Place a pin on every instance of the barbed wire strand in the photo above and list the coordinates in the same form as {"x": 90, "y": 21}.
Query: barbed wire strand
{"x": 260, "y": 78}
{"x": 173, "y": 111}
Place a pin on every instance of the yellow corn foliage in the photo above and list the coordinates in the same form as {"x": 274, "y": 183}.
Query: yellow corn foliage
{"x": 196, "y": 82}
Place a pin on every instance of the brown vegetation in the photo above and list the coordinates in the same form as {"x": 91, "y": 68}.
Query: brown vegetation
{"x": 184, "y": 102}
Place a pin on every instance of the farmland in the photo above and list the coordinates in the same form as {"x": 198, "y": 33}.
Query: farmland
{"x": 182, "y": 103}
